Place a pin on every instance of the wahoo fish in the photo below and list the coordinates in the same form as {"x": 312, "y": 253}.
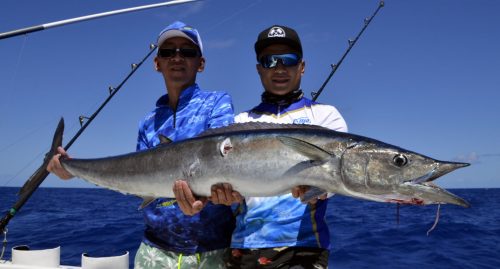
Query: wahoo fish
{"x": 267, "y": 159}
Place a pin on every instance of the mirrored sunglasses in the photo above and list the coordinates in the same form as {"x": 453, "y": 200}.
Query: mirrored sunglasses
{"x": 183, "y": 52}
{"x": 288, "y": 59}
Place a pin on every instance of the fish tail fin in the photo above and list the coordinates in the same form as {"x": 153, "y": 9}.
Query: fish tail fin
{"x": 56, "y": 141}
{"x": 41, "y": 173}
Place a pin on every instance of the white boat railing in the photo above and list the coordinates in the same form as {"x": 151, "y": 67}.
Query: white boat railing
{"x": 25, "y": 258}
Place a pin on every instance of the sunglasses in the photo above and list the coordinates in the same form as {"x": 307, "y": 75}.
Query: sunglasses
{"x": 288, "y": 59}
{"x": 183, "y": 52}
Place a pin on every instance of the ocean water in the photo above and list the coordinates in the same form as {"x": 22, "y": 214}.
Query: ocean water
{"x": 364, "y": 234}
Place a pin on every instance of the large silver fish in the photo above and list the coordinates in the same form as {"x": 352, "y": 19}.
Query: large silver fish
{"x": 264, "y": 159}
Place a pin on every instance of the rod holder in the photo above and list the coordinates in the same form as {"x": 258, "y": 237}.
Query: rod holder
{"x": 23, "y": 255}
{"x": 115, "y": 262}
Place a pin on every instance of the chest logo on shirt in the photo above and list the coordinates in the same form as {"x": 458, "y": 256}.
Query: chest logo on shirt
{"x": 196, "y": 119}
{"x": 302, "y": 121}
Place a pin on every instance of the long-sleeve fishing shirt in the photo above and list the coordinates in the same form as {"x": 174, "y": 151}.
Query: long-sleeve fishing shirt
{"x": 166, "y": 226}
{"x": 268, "y": 222}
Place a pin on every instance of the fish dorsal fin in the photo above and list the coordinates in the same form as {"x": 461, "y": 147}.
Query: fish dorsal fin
{"x": 164, "y": 140}
{"x": 305, "y": 148}
{"x": 253, "y": 126}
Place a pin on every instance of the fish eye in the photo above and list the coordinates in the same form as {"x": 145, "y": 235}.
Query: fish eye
{"x": 400, "y": 160}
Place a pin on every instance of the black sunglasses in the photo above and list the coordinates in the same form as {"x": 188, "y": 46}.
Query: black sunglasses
{"x": 288, "y": 59}
{"x": 183, "y": 52}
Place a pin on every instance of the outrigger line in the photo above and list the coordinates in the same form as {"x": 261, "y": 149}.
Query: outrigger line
{"x": 315, "y": 95}
{"x": 41, "y": 27}
{"x": 41, "y": 173}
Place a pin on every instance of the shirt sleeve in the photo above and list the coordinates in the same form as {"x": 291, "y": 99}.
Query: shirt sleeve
{"x": 222, "y": 112}
{"x": 334, "y": 120}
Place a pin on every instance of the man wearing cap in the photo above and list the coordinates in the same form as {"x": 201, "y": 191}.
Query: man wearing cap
{"x": 280, "y": 232}
{"x": 172, "y": 239}
{"x": 272, "y": 231}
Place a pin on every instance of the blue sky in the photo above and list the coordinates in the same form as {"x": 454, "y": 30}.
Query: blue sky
{"x": 424, "y": 76}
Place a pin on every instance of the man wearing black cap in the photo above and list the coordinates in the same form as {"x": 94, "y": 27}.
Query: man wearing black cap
{"x": 282, "y": 232}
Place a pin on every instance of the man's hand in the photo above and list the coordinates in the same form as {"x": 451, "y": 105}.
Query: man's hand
{"x": 224, "y": 194}
{"x": 55, "y": 166}
{"x": 299, "y": 191}
{"x": 186, "y": 200}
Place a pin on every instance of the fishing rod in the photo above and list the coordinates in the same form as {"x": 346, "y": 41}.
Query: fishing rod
{"x": 41, "y": 27}
{"x": 41, "y": 173}
{"x": 352, "y": 42}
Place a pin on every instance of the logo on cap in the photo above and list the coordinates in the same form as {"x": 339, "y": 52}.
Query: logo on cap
{"x": 276, "y": 32}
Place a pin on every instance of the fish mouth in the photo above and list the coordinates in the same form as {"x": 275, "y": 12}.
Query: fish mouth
{"x": 422, "y": 190}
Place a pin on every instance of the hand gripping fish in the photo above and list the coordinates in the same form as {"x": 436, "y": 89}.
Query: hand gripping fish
{"x": 266, "y": 159}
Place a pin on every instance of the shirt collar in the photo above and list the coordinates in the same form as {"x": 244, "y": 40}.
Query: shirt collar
{"x": 274, "y": 108}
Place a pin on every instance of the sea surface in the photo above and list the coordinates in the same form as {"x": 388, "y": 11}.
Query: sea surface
{"x": 364, "y": 234}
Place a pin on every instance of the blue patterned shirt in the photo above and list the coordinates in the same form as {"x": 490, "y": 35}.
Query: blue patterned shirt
{"x": 166, "y": 226}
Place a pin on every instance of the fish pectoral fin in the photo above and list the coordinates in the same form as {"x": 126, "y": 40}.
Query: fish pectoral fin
{"x": 146, "y": 201}
{"x": 312, "y": 193}
{"x": 164, "y": 140}
{"x": 305, "y": 148}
